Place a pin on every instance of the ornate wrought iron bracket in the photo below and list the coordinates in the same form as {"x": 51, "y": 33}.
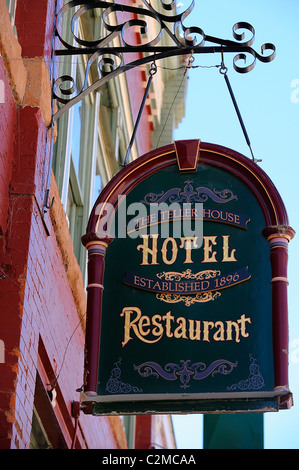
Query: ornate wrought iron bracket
{"x": 111, "y": 53}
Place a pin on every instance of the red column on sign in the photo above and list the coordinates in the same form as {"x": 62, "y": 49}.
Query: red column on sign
{"x": 96, "y": 263}
{"x": 279, "y": 237}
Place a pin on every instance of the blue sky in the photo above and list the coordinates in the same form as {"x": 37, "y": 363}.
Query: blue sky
{"x": 268, "y": 99}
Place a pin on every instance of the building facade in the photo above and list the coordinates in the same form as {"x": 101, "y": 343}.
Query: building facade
{"x": 50, "y": 179}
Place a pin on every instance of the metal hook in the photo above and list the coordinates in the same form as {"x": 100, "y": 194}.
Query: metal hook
{"x": 222, "y": 56}
{"x": 190, "y": 61}
{"x": 46, "y": 205}
{"x": 153, "y": 69}
{"x": 223, "y": 70}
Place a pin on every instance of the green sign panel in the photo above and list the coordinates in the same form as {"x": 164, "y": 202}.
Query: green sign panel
{"x": 186, "y": 311}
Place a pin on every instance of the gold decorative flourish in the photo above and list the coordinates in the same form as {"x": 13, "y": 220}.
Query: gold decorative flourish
{"x": 188, "y": 299}
{"x": 176, "y": 276}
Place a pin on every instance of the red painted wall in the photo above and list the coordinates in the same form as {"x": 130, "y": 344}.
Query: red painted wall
{"x": 37, "y": 305}
{"x": 7, "y": 113}
{"x": 39, "y": 321}
{"x": 35, "y": 31}
{"x": 38, "y": 311}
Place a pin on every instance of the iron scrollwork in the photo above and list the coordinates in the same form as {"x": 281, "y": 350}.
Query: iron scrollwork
{"x": 109, "y": 58}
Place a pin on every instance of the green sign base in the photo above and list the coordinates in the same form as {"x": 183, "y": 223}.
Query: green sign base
{"x": 261, "y": 405}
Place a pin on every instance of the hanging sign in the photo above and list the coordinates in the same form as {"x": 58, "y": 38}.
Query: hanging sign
{"x": 187, "y": 308}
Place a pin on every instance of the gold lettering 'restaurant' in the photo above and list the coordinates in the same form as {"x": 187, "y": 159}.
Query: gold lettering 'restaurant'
{"x": 150, "y": 330}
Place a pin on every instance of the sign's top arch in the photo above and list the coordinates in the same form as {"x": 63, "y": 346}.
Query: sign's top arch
{"x": 205, "y": 153}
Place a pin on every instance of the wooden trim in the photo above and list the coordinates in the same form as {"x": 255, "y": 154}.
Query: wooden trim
{"x": 56, "y": 420}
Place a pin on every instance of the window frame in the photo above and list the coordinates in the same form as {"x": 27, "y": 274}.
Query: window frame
{"x": 12, "y": 7}
{"x": 74, "y": 186}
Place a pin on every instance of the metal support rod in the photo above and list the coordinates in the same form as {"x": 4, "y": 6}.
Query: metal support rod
{"x": 152, "y": 72}
{"x": 223, "y": 71}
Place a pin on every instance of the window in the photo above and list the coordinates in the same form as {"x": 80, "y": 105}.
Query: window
{"x": 75, "y": 158}
{"x": 76, "y": 136}
{"x": 91, "y": 142}
{"x": 76, "y": 168}
{"x": 11, "y": 5}
{"x": 47, "y": 431}
{"x": 129, "y": 423}
{"x": 38, "y": 436}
